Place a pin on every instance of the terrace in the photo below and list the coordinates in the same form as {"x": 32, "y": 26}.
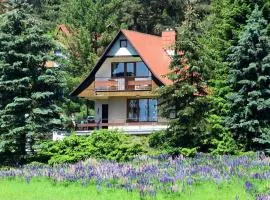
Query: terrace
{"x": 123, "y": 125}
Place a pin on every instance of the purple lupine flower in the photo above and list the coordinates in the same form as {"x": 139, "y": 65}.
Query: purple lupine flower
{"x": 263, "y": 197}
{"x": 248, "y": 186}
{"x": 190, "y": 181}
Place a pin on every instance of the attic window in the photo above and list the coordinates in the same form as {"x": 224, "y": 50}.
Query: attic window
{"x": 123, "y": 43}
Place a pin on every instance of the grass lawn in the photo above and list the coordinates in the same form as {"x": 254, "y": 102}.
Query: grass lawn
{"x": 203, "y": 177}
{"x": 45, "y": 189}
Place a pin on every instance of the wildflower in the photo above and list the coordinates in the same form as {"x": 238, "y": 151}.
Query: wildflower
{"x": 263, "y": 197}
{"x": 190, "y": 181}
{"x": 248, "y": 186}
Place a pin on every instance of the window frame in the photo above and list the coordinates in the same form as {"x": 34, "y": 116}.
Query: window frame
{"x": 123, "y": 41}
{"x": 149, "y": 72}
{"x": 125, "y": 70}
{"x": 112, "y": 70}
{"x": 138, "y": 108}
{"x": 135, "y": 70}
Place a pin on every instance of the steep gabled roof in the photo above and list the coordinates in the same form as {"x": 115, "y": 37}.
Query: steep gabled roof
{"x": 149, "y": 47}
{"x": 64, "y": 29}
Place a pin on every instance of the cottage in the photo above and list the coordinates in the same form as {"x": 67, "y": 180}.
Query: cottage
{"x": 123, "y": 82}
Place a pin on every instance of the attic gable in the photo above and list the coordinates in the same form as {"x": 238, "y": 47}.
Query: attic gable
{"x": 122, "y": 47}
{"x": 148, "y": 47}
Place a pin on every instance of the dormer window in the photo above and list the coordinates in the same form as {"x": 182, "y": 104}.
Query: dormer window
{"x": 123, "y": 43}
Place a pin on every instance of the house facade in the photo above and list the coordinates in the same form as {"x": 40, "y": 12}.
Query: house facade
{"x": 123, "y": 83}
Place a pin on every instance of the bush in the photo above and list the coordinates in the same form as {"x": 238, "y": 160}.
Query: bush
{"x": 157, "y": 139}
{"x": 187, "y": 152}
{"x": 101, "y": 144}
{"x": 114, "y": 145}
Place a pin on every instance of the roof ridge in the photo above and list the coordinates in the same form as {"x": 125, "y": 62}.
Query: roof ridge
{"x": 147, "y": 34}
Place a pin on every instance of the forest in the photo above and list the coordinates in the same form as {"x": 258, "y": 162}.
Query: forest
{"x": 221, "y": 72}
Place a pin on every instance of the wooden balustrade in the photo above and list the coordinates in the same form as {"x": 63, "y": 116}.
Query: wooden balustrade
{"x": 123, "y": 84}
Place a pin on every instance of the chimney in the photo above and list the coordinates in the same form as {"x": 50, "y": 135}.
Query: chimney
{"x": 168, "y": 39}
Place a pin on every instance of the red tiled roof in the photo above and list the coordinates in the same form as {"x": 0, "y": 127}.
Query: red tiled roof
{"x": 64, "y": 29}
{"x": 150, "y": 48}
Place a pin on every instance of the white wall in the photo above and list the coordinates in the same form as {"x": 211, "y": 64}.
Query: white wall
{"x": 98, "y": 109}
{"x": 123, "y": 51}
{"x": 117, "y": 110}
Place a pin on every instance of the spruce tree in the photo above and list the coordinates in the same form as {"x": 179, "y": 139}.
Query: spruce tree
{"x": 29, "y": 92}
{"x": 222, "y": 28}
{"x": 187, "y": 96}
{"x": 250, "y": 80}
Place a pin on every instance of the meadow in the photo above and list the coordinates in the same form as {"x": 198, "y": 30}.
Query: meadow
{"x": 203, "y": 177}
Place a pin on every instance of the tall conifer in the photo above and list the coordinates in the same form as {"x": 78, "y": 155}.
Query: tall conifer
{"x": 30, "y": 92}
{"x": 250, "y": 80}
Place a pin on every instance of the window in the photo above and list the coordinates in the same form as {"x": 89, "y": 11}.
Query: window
{"x": 142, "y": 110}
{"x": 133, "y": 110}
{"x": 130, "y": 69}
{"x": 58, "y": 52}
{"x": 152, "y": 110}
{"x": 123, "y": 43}
{"x": 141, "y": 69}
{"x": 118, "y": 69}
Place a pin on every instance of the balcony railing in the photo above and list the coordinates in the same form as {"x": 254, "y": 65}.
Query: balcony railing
{"x": 95, "y": 125}
{"x": 123, "y": 84}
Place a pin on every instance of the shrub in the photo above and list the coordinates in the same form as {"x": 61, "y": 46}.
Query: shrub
{"x": 157, "y": 139}
{"x": 101, "y": 144}
{"x": 114, "y": 145}
{"x": 187, "y": 152}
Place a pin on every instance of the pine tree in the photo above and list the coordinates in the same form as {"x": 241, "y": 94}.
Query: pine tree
{"x": 30, "y": 92}
{"x": 187, "y": 96}
{"x": 250, "y": 80}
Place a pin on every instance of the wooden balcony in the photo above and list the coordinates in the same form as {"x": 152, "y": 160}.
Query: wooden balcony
{"x": 123, "y": 84}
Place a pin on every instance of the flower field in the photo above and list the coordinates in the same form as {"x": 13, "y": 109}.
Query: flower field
{"x": 242, "y": 177}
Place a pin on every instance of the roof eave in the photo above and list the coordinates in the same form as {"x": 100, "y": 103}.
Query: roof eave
{"x": 89, "y": 79}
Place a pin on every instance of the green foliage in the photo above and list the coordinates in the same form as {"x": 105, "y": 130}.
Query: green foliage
{"x": 221, "y": 30}
{"x": 188, "y": 152}
{"x": 102, "y": 144}
{"x": 47, "y": 10}
{"x": 150, "y": 16}
{"x": 219, "y": 139}
{"x": 30, "y": 93}
{"x": 113, "y": 145}
{"x": 249, "y": 118}
{"x": 157, "y": 139}
{"x": 187, "y": 96}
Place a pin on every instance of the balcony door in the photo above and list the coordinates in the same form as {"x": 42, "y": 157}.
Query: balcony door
{"x": 105, "y": 114}
{"x": 131, "y": 76}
